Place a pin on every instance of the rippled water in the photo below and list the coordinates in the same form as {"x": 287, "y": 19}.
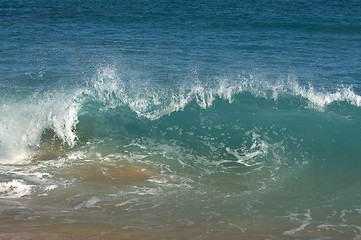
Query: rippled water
{"x": 180, "y": 120}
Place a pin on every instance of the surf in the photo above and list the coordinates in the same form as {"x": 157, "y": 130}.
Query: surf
{"x": 107, "y": 104}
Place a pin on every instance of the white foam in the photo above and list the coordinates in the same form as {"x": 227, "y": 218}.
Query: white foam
{"x": 250, "y": 156}
{"x": 151, "y": 103}
{"x": 14, "y": 189}
{"x": 124, "y": 203}
{"x": 358, "y": 234}
{"x": 243, "y": 159}
{"x": 304, "y": 222}
{"x": 321, "y": 99}
{"x": 341, "y": 228}
{"x": 293, "y": 231}
{"x": 90, "y": 203}
{"x": 24, "y": 121}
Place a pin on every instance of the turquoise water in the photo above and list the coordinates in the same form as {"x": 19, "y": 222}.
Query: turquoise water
{"x": 180, "y": 120}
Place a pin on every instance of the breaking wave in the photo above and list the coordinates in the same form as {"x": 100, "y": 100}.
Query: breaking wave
{"x": 28, "y": 115}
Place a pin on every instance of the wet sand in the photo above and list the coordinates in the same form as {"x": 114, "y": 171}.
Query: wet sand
{"x": 99, "y": 231}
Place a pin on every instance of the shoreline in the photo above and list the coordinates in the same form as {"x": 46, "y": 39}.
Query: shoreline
{"x": 86, "y": 231}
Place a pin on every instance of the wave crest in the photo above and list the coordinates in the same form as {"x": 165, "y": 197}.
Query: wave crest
{"x": 153, "y": 103}
{"x": 27, "y": 116}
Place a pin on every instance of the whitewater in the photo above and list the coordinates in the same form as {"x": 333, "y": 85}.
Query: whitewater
{"x": 166, "y": 120}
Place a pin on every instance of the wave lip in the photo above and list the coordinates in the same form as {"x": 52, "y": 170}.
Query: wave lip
{"x": 25, "y": 119}
{"x": 320, "y": 100}
{"x": 153, "y": 103}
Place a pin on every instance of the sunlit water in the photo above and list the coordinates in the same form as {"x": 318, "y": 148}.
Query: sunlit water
{"x": 175, "y": 120}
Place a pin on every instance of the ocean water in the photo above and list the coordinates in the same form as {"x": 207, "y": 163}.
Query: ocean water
{"x": 180, "y": 119}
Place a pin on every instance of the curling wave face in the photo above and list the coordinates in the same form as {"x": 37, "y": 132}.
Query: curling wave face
{"x": 111, "y": 144}
{"x": 206, "y": 120}
{"x": 29, "y": 114}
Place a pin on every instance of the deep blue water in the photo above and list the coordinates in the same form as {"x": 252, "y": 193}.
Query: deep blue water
{"x": 245, "y": 115}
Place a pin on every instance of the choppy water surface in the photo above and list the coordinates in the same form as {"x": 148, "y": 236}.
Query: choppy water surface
{"x": 174, "y": 120}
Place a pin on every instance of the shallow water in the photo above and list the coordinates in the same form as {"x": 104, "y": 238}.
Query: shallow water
{"x": 166, "y": 120}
